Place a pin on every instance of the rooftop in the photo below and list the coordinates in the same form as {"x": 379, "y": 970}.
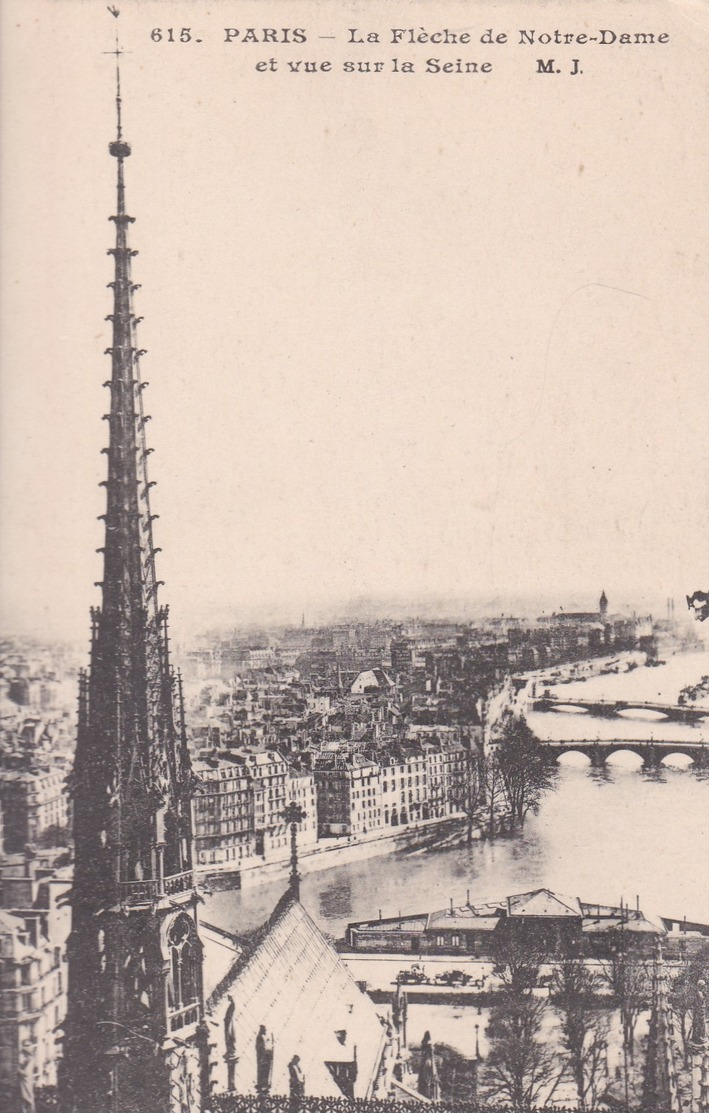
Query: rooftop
{"x": 289, "y": 979}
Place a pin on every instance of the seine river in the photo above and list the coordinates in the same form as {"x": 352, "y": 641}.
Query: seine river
{"x": 600, "y": 835}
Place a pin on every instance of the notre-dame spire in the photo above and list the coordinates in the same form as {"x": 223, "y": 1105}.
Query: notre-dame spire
{"x": 134, "y": 1037}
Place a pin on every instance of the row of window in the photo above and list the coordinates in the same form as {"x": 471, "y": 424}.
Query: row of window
{"x": 217, "y": 828}
{"x": 417, "y": 780}
{"x": 40, "y": 996}
{"x": 214, "y": 808}
{"x": 447, "y": 940}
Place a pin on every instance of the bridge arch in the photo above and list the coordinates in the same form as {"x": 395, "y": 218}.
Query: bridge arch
{"x": 680, "y": 759}
{"x": 573, "y": 757}
{"x": 622, "y": 751}
{"x": 644, "y": 714}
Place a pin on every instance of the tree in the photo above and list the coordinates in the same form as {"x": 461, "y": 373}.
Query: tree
{"x": 518, "y": 967}
{"x": 584, "y": 1028}
{"x": 521, "y": 1066}
{"x": 524, "y": 768}
{"x": 630, "y": 979}
{"x": 469, "y": 796}
{"x": 683, "y": 991}
{"x": 492, "y": 787}
{"x": 457, "y": 1074}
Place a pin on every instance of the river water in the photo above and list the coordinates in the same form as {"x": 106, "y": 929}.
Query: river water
{"x": 600, "y": 835}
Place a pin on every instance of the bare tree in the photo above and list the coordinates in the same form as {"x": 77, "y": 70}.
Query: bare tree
{"x": 584, "y": 1028}
{"x": 518, "y": 966}
{"x": 630, "y": 979}
{"x": 683, "y": 991}
{"x": 523, "y": 765}
{"x": 471, "y": 796}
{"x": 493, "y": 788}
{"x": 521, "y": 1066}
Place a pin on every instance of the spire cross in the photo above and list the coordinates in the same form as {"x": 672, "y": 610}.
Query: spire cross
{"x": 117, "y": 52}
{"x": 294, "y": 815}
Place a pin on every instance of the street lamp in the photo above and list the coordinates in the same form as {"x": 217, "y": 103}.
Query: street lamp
{"x": 294, "y": 814}
{"x": 476, "y": 1063}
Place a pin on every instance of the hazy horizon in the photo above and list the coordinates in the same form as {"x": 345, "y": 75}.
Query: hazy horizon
{"x": 423, "y": 340}
{"x": 353, "y": 611}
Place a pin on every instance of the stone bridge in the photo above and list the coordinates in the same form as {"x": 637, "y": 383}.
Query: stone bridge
{"x": 611, "y": 709}
{"x": 598, "y": 750}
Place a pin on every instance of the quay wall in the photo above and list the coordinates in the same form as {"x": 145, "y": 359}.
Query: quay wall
{"x": 338, "y": 852}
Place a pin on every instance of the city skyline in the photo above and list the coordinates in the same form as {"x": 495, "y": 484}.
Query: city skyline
{"x": 406, "y": 381}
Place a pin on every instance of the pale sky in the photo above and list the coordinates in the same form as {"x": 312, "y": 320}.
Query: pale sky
{"x": 409, "y": 335}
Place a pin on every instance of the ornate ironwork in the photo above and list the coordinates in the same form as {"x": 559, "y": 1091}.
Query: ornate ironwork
{"x": 153, "y": 889}
{"x": 46, "y": 1102}
{"x": 249, "y": 1103}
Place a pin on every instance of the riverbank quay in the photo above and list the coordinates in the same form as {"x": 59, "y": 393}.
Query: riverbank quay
{"x": 426, "y": 834}
{"x": 626, "y": 676}
{"x": 585, "y": 669}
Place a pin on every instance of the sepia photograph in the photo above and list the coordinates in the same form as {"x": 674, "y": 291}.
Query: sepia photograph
{"x": 354, "y": 556}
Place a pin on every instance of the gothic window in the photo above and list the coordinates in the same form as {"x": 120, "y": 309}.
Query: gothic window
{"x": 101, "y": 941}
{"x": 183, "y": 985}
{"x": 137, "y": 978}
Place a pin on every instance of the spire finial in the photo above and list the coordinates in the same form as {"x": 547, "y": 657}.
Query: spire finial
{"x": 118, "y": 149}
{"x": 118, "y": 91}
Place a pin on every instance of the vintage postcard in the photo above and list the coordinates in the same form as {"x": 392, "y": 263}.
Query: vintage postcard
{"x": 354, "y": 678}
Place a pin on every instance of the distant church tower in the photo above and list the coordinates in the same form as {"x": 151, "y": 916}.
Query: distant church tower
{"x": 135, "y": 1037}
{"x": 603, "y": 605}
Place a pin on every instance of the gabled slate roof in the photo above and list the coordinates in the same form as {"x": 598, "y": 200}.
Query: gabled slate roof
{"x": 290, "y": 979}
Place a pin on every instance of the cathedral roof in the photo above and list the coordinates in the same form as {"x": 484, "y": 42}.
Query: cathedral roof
{"x": 292, "y": 981}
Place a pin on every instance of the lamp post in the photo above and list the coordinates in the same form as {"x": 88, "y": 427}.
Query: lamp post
{"x": 476, "y": 1063}
{"x": 294, "y": 814}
